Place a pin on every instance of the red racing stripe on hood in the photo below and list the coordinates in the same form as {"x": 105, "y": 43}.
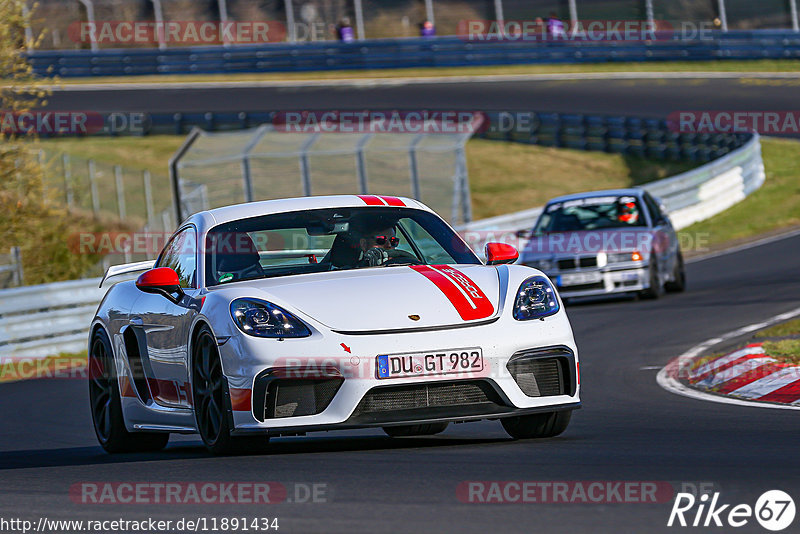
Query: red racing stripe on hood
{"x": 465, "y": 295}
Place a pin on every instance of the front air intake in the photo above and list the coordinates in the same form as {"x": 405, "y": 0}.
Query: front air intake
{"x": 544, "y": 372}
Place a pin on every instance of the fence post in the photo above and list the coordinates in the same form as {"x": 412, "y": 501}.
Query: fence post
{"x": 498, "y": 12}
{"x": 120, "y": 192}
{"x": 361, "y": 163}
{"x": 89, "y": 5}
{"x": 16, "y": 258}
{"x": 573, "y": 13}
{"x": 148, "y": 198}
{"x": 305, "y": 169}
{"x": 67, "y": 181}
{"x": 793, "y": 8}
{"x": 159, "y": 16}
{"x": 413, "y": 170}
{"x": 93, "y": 188}
{"x": 287, "y": 5}
{"x": 723, "y": 16}
{"x": 648, "y": 8}
{"x": 359, "y": 19}
{"x": 463, "y": 182}
{"x": 429, "y": 11}
{"x": 174, "y": 176}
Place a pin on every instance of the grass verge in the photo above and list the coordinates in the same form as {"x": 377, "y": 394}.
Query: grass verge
{"x": 759, "y": 65}
{"x": 789, "y": 328}
{"x": 786, "y": 350}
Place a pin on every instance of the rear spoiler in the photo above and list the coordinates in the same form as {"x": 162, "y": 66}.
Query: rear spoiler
{"x": 127, "y": 268}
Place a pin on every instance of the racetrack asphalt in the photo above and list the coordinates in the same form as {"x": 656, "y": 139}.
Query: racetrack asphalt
{"x": 628, "y": 429}
{"x": 646, "y": 97}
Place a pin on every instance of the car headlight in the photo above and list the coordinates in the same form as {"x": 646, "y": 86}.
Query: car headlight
{"x": 619, "y": 257}
{"x": 264, "y": 319}
{"x": 536, "y": 299}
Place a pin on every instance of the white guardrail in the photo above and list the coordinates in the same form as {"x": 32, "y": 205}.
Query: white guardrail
{"x": 688, "y": 197}
{"x": 45, "y": 320}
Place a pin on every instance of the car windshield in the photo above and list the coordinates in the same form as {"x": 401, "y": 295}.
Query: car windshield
{"x": 329, "y": 240}
{"x": 590, "y": 213}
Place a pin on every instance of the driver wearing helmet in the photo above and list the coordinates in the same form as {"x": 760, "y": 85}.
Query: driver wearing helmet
{"x": 627, "y": 212}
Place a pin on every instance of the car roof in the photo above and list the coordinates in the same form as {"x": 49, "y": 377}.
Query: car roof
{"x": 631, "y": 191}
{"x": 235, "y": 212}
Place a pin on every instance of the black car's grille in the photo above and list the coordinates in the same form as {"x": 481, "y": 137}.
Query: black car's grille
{"x": 538, "y": 377}
{"x": 584, "y": 287}
{"x": 409, "y": 397}
{"x": 568, "y": 264}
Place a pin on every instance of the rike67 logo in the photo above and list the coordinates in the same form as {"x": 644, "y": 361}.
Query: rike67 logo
{"x": 774, "y": 510}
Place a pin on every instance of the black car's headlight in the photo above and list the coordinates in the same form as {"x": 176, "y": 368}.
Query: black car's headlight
{"x": 264, "y": 319}
{"x": 536, "y": 298}
{"x": 619, "y": 257}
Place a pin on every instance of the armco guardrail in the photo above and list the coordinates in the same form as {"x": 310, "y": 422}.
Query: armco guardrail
{"x": 688, "y": 197}
{"x": 412, "y": 52}
{"x": 43, "y": 320}
{"x": 38, "y": 321}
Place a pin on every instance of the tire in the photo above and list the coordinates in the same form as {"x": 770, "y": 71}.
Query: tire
{"x": 656, "y": 289}
{"x": 427, "y": 429}
{"x": 106, "y": 404}
{"x": 539, "y": 425}
{"x": 678, "y": 285}
{"x": 211, "y": 401}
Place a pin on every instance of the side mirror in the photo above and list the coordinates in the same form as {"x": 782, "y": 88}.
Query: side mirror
{"x": 500, "y": 253}
{"x": 161, "y": 280}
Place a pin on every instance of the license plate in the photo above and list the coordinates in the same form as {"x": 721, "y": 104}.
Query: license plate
{"x": 577, "y": 279}
{"x": 438, "y": 362}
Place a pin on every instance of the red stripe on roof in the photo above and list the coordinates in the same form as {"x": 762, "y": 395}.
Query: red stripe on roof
{"x": 446, "y": 281}
{"x": 371, "y": 200}
{"x": 393, "y": 201}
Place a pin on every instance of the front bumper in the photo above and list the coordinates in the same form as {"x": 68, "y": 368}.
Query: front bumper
{"x": 247, "y": 360}
{"x": 601, "y": 281}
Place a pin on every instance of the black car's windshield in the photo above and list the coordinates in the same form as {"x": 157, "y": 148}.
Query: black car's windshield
{"x": 327, "y": 240}
{"x": 590, "y": 213}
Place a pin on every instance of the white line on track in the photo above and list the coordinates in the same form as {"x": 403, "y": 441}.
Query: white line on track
{"x": 420, "y": 80}
{"x": 667, "y": 380}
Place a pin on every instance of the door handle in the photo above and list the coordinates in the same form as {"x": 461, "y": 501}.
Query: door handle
{"x": 136, "y": 321}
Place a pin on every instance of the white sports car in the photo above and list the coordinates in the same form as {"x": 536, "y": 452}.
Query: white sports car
{"x": 321, "y": 313}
